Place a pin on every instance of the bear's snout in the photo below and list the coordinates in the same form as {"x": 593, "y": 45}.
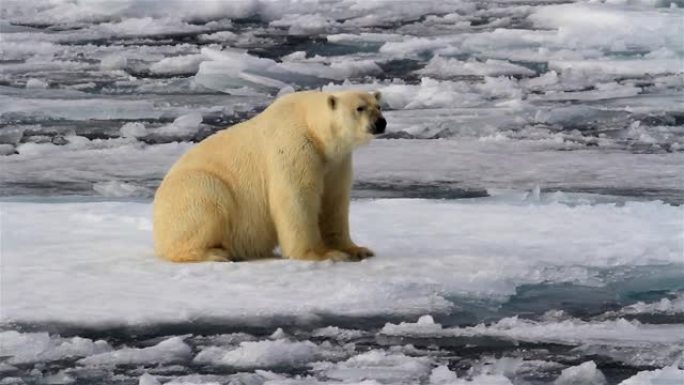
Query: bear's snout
{"x": 379, "y": 126}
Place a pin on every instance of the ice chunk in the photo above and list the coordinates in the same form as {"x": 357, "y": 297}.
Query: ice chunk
{"x": 113, "y": 62}
{"x": 147, "y": 379}
{"x": 670, "y": 375}
{"x": 232, "y": 70}
{"x": 618, "y": 338}
{"x": 425, "y": 326}
{"x": 25, "y": 348}
{"x": 574, "y": 331}
{"x": 302, "y": 24}
{"x": 380, "y": 366}
{"x": 446, "y": 67}
{"x": 337, "y": 333}
{"x": 36, "y": 83}
{"x": 343, "y": 69}
{"x": 584, "y": 374}
{"x": 77, "y": 109}
{"x": 615, "y": 28}
{"x": 6, "y": 149}
{"x": 133, "y": 130}
{"x": 183, "y": 125}
{"x": 170, "y": 351}
{"x": 222, "y": 36}
{"x": 624, "y": 67}
{"x": 664, "y": 306}
{"x": 261, "y": 354}
{"x": 118, "y": 189}
{"x": 364, "y": 37}
{"x": 441, "y": 375}
{"x": 177, "y": 65}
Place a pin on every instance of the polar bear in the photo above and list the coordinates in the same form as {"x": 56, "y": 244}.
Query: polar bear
{"x": 281, "y": 178}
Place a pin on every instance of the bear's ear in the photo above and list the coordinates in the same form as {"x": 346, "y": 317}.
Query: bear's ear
{"x": 377, "y": 95}
{"x": 332, "y": 102}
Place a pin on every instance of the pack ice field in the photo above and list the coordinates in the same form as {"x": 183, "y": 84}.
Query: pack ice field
{"x": 525, "y": 203}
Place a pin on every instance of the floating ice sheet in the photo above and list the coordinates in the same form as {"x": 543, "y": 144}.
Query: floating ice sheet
{"x": 428, "y": 252}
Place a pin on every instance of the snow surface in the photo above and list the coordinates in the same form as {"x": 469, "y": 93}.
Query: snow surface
{"x": 483, "y": 248}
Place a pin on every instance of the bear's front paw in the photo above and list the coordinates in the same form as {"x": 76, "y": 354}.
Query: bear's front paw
{"x": 358, "y": 253}
{"x": 329, "y": 255}
{"x": 339, "y": 256}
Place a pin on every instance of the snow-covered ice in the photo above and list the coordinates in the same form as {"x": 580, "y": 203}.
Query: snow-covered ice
{"x": 170, "y": 351}
{"x": 670, "y": 375}
{"x": 434, "y": 252}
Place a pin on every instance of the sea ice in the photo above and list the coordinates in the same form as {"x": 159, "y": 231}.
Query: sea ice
{"x": 584, "y": 374}
{"x": 427, "y": 252}
{"x": 378, "y": 365}
{"x": 670, "y": 375}
{"x": 177, "y": 65}
{"x": 664, "y": 306}
{"x": 172, "y": 350}
{"x": 261, "y": 354}
{"x": 183, "y": 125}
{"x": 25, "y": 348}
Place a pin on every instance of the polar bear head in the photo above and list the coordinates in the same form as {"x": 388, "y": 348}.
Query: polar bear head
{"x": 355, "y": 117}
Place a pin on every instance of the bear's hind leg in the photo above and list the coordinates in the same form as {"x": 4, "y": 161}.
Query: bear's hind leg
{"x": 191, "y": 218}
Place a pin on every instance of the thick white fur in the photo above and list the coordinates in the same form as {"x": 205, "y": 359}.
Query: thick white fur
{"x": 281, "y": 178}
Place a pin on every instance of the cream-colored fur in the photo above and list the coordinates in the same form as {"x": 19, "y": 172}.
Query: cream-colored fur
{"x": 281, "y": 178}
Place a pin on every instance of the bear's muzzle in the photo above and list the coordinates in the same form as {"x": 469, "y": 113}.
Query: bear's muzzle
{"x": 379, "y": 126}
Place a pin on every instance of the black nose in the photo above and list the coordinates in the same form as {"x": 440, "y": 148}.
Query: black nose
{"x": 379, "y": 126}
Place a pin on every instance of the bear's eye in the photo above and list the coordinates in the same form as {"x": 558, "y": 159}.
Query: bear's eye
{"x": 360, "y": 108}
